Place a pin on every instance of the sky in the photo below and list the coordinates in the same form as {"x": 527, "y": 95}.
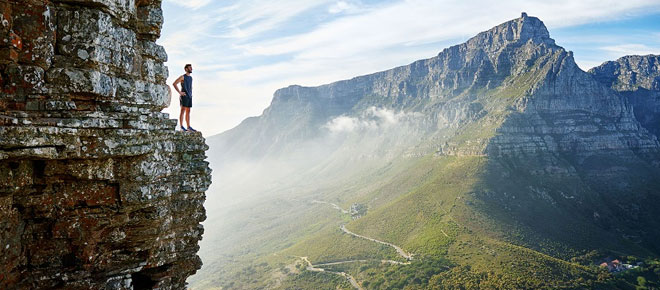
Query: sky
{"x": 242, "y": 51}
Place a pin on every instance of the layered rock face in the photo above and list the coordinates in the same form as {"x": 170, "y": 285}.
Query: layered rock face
{"x": 441, "y": 87}
{"x": 637, "y": 78}
{"x": 97, "y": 190}
{"x": 508, "y": 91}
{"x": 560, "y": 109}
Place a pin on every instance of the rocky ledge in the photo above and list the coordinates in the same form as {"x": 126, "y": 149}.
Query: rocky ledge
{"x": 97, "y": 190}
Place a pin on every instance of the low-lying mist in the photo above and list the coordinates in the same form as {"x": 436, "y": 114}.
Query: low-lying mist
{"x": 255, "y": 205}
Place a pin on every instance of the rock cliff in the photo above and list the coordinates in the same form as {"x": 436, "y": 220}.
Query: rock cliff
{"x": 97, "y": 190}
{"x": 637, "y": 78}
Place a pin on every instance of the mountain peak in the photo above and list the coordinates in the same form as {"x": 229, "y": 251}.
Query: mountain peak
{"x": 519, "y": 30}
{"x": 531, "y": 28}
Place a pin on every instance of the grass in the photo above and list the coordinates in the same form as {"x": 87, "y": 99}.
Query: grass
{"x": 315, "y": 280}
{"x": 333, "y": 245}
{"x": 426, "y": 205}
{"x": 444, "y": 218}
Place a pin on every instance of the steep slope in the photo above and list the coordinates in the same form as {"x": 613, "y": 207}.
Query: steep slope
{"x": 637, "y": 78}
{"x": 437, "y": 86}
{"x": 97, "y": 190}
{"x": 512, "y": 163}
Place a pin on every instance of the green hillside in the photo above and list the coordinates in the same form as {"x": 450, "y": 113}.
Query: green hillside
{"x": 463, "y": 219}
{"x": 497, "y": 164}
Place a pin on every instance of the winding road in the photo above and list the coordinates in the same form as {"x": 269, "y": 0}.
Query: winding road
{"x": 402, "y": 253}
{"x": 399, "y": 250}
{"x": 348, "y": 277}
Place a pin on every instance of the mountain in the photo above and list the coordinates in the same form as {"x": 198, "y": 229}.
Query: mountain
{"x": 499, "y": 163}
{"x": 516, "y": 60}
{"x": 637, "y": 78}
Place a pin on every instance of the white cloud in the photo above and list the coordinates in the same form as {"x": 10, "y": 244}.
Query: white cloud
{"x": 250, "y": 18}
{"x": 342, "y": 7}
{"x": 600, "y": 54}
{"x": 630, "y": 49}
{"x": 343, "y": 124}
{"x": 195, "y": 4}
{"x": 417, "y": 21}
{"x": 370, "y": 119}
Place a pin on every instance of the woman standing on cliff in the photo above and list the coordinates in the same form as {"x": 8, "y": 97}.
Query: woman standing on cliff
{"x": 185, "y": 96}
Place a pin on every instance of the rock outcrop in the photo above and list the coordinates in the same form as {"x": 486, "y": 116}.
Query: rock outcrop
{"x": 97, "y": 190}
{"x": 637, "y": 78}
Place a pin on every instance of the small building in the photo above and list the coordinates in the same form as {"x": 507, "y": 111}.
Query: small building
{"x": 358, "y": 210}
{"x": 615, "y": 265}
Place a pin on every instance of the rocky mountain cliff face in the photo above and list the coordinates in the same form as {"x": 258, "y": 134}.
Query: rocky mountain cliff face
{"x": 97, "y": 190}
{"x": 512, "y": 81}
{"x": 637, "y": 78}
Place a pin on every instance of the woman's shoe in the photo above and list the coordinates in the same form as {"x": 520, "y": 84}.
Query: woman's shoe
{"x": 191, "y": 129}
{"x": 183, "y": 129}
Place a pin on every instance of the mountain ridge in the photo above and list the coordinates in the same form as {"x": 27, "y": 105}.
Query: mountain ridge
{"x": 486, "y": 61}
{"x": 500, "y": 143}
{"x": 636, "y": 78}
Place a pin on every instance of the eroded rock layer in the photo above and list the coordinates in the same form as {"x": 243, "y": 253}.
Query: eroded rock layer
{"x": 97, "y": 190}
{"x": 637, "y": 78}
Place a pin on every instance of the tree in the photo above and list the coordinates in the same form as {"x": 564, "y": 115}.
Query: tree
{"x": 641, "y": 281}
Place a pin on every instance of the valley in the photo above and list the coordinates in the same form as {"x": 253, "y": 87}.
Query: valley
{"x": 496, "y": 164}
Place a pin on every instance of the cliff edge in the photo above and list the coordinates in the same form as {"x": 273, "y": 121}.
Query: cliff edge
{"x": 97, "y": 190}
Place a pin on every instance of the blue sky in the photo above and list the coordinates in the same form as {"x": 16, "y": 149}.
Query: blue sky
{"x": 242, "y": 51}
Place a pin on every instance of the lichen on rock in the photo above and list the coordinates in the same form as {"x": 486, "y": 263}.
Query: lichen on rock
{"x": 97, "y": 190}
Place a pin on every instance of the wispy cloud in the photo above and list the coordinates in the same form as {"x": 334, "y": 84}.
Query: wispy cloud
{"x": 195, "y": 4}
{"x": 344, "y": 7}
{"x": 372, "y": 118}
{"x": 251, "y": 18}
{"x": 399, "y": 24}
{"x": 630, "y": 49}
